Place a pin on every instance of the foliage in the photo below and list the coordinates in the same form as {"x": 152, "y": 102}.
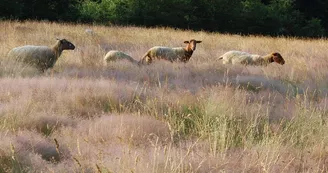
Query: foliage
{"x": 65, "y": 10}
{"x": 265, "y": 17}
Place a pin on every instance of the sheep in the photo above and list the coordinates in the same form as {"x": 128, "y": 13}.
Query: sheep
{"x": 40, "y": 57}
{"x": 182, "y": 54}
{"x": 114, "y": 55}
{"x": 239, "y": 57}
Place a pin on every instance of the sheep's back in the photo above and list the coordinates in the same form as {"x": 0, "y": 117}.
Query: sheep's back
{"x": 115, "y": 55}
{"x": 239, "y": 57}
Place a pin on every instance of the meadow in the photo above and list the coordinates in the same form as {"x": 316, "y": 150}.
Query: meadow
{"x": 200, "y": 116}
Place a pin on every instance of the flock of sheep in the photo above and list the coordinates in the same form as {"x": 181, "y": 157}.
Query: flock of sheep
{"x": 44, "y": 57}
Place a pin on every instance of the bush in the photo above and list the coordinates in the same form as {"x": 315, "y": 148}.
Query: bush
{"x": 265, "y": 17}
{"x": 312, "y": 28}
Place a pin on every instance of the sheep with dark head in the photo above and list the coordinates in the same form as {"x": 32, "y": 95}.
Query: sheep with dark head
{"x": 182, "y": 54}
{"x": 40, "y": 57}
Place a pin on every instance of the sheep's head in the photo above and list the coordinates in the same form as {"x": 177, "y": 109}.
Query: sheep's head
{"x": 66, "y": 45}
{"x": 276, "y": 57}
{"x": 192, "y": 44}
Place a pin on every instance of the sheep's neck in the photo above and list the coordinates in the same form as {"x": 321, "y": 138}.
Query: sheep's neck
{"x": 268, "y": 58}
{"x": 187, "y": 54}
{"x": 57, "y": 50}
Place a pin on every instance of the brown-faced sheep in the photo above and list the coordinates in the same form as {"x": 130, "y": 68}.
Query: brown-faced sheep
{"x": 114, "y": 55}
{"x": 239, "y": 57}
{"x": 182, "y": 54}
{"x": 40, "y": 57}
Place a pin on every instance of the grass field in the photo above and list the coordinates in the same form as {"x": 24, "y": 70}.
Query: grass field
{"x": 201, "y": 116}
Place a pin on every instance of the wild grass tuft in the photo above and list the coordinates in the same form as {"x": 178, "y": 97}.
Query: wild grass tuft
{"x": 201, "y": 116}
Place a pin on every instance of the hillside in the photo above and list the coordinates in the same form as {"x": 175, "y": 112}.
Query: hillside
{"x": 201, "y": 116}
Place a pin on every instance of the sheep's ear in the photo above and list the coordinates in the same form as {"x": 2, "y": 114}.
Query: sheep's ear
{"x": 186, "y": 42}
{"x": 198, "y": 41}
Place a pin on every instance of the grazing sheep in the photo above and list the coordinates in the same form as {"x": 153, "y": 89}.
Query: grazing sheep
{"x": 238, "y": 57}
{"x": 40, "y": 57}
{"x": 182, "y": 54}
{"x": 114, "y": 55}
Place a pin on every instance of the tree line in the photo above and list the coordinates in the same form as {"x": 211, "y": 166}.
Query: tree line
{"x": 301, "y": 18}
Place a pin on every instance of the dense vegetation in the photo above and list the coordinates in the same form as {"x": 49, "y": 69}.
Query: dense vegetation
{"x": 267, "y": 17}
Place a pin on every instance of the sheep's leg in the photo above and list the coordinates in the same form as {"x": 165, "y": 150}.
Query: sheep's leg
{"x": 149, "y": 60}
{"x": 41, "y": 70}
{"x": 144, "y": 58}
{"x": 246, "y": 70}
{"x": 141, "y": 61}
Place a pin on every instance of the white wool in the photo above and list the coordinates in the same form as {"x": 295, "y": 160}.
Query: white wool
{"x": 34, "y": 55}
{"x": 166, "y": 53}
{"x": 239, "y": 57}
{"x": 114, "y": 55}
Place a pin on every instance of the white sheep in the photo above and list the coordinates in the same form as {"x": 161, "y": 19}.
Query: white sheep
{"x": 114, "y": 55}
{"x": 239, "y": 57}
{"x": 40, "y": 57}
{"x": 182, "y": 54}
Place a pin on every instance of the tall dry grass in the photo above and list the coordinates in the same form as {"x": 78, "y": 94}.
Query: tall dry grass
{"x": 201, "y": 116}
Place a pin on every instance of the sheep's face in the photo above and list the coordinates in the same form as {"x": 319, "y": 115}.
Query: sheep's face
{"x": 278, "y": 58}
{"x": 66, "y": 45}
{"x": 192, "y": 44}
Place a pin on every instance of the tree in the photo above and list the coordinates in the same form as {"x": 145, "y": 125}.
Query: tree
{"x": 314, "y": 9}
